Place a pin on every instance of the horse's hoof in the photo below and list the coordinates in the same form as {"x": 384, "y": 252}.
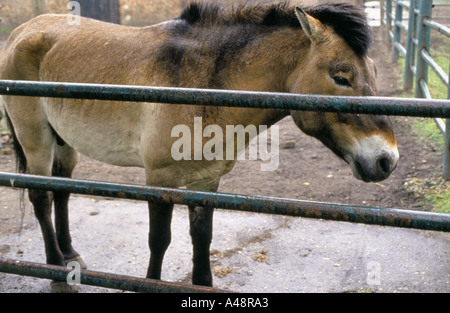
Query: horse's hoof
{"x": 63, "y": 287}
{"x": 78, "y": 259}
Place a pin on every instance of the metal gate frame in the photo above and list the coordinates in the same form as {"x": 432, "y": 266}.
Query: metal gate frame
{"x": 270, "y": 205}
{"x": 417, "y": 53}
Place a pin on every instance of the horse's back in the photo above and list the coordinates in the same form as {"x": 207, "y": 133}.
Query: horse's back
{"x": 47, "y": 48}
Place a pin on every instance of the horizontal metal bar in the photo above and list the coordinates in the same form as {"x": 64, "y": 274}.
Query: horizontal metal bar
{"x": 101, "y": 279}
{"x": 439, "y": 27}
{"x": 440, "y": 124}
{"x": 400, "y": 48}
{"x": 247, "y": 99}
{"x": 404, "y": 4}
{"x": 255, "y": 204}
{"x": 401, "y": 25}
{"x": 436, "y": 68}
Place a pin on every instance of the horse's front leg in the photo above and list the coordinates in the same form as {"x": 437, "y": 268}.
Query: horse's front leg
{"x": 201, "y": 220}
{"x": 201, "y": 229}
{"x": 159, "y": 236}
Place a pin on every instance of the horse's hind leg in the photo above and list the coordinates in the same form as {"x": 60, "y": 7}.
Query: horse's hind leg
{"x": 35, "y": 142}
{"x": 63, "y": 164}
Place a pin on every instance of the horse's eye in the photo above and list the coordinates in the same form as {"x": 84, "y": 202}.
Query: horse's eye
{"x": 341, "y": 81}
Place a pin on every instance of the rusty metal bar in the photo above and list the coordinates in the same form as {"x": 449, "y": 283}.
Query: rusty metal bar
{"x": 101, "y": 279}
{"x": 246, "y": 99}
{"x": 256, "y": 204}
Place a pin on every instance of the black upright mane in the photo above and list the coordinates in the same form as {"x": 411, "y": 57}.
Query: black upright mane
{"x": 347, "y": 20}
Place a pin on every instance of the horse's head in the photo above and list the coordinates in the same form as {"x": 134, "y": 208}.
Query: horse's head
{"x": 336, "y": 64}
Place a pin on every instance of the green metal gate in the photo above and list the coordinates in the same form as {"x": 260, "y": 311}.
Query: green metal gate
{"x": 417, "y": 53}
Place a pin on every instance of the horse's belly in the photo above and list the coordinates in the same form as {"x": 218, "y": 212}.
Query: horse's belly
{"x": 102, "y": 149}
{"x": 100, "y": 134}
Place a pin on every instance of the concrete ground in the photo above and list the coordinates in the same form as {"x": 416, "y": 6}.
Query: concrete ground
{"x": 250, "y": 252}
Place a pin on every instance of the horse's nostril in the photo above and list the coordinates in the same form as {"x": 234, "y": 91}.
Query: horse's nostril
{"x": 374, "y": 171}
{"x": 384, "y": 164}
{"x": 360, "y": 169}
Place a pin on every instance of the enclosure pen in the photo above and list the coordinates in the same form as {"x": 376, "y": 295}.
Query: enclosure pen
{"x": 220, "y": 63}
{"x": 269, "y": 205}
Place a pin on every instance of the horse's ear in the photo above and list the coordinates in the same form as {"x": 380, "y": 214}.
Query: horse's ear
{"x": 312, "y": 27}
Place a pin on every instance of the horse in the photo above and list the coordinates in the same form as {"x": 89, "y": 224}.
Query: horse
{"x": 276, "y": 47}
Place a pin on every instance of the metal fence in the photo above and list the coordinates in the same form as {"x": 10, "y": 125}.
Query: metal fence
{"x": 269, "y": 205}
{"x": 416, "y": 51}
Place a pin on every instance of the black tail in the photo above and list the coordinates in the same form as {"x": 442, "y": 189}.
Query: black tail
{"x": 21, "y": 167}
{"x": 21, "y": 161}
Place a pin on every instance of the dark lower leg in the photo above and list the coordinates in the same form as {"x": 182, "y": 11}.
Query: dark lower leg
{"x": 42, "y": 204}
{"x": 61, "y": 199}
{"x": 201, "y": 225}
{"x": 62, "y": 225}
{"x": 159, "y": 236}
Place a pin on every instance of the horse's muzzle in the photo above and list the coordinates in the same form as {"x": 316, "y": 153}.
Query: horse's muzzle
{"x": 375, "y": 169}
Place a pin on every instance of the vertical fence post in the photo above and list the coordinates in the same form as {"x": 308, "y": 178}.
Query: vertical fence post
{"x": 423, "y": 43}
{"x": 408, "y": 76}
{"x": 397, "y": 30}
{"x": 447, "y": 138}
{"x": 447, "y": 150}
{"x": 388, "y": 19}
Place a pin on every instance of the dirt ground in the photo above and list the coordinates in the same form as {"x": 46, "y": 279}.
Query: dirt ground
{"x": 307, "y": 169}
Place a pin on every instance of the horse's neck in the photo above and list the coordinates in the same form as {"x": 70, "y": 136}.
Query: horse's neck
{"x": 264, "y": 64}
{"x": 256, "y": 117}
